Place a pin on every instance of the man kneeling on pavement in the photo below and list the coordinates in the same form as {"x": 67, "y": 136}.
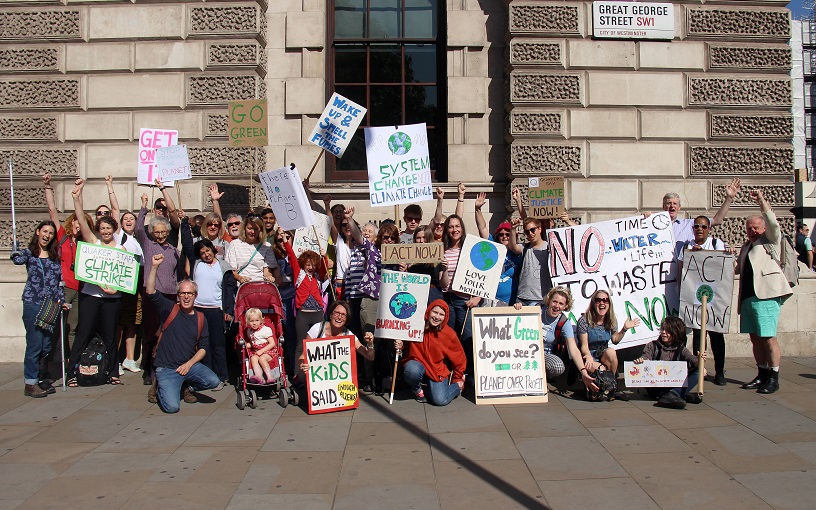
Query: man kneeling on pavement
{"x": 182, "y": 343}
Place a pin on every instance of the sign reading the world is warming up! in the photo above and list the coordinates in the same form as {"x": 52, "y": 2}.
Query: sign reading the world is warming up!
{"x": 399, "y": 167}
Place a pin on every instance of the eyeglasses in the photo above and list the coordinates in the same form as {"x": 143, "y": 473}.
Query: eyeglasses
{"x": 339, "y": 314}
{"x": 102, "y": 213}
{"x": 233, "y": 223}
{"x": 159, "y": 232}
{"x": 700, "y": 226}
{"x": 186, "y": 293}
{"x": 531, "y": 231}
{"x": 213, "y": 224}
{"x": 601, "y": 299}
{"x": 503, "y": 234}
{"x": 393, "y": 238}
{"x": 408, "y": 219}
{"x": 161, "y": 207}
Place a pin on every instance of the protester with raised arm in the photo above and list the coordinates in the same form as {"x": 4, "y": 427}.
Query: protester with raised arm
{"x": 508, "y": 284}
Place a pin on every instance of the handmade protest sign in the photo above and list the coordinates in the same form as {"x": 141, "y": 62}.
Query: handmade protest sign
{"x": 248, "y": 124}
{"x": 401, "y": 309}
{"x": 305, "y": 236}
{"x": 479, "y": 268}
{"x": 331, "y": 382}
{"x": 399, "y": 167}
{"x": 172, "y": 163}
{"x": 284, "y": 190}
{"x": 337, "y": 125}
{"x": 149, "y": 141}
{"x": 630, "y": 258}
{"x": 412, "y": 253}
{"x": 507, "y": 356}
{"x": 709, "y": 273}
{"x": 656, "y": 374}
{"x": 105, "y": 266}
{"x": 546, "y": 196}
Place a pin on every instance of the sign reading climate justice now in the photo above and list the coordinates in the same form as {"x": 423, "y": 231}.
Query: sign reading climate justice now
{"x": 248, "y": 124}
{"x": 305, "y": 236}
{"x": 399, "y": 167}
{"x": 479, "y": 268}
{"x": 401, "y": 309}
{"x": 707, "y": 273}
{"x": 149, "y": 141}
{"x": 655, "y": 374}
{"x": 337, "y": 125}
{"x": 173, "y": 164}
{"x": 633, "y": 20}
{"x": 507, "y": 355}
{"x": 546, "y": 195}
{"x": 331, "y": 382}
{"x": 107, "y": 267}
{"x": 412, "y": 253}
{"x": 630, "y": 258}
{"x": 284, "y": 190}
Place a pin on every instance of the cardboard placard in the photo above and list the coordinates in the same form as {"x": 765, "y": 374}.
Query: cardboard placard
{"x": 399, "y": 167}
{"x": 284, "y": 190}
{"x": 480, "y": 267}
{"x": 337, "y": 125}
{"x": 630, "y": 258}
{"x": 656, "y": 374}
{"x": 412, "y": 253}
{"x": 711, "y": 273}
{"x": 149, "y": 141}
{"x": 305, "y": 236}
{"x": 248, "y": 123}
{"x": 402, "y": 305}
{"x": 507, "y": 356}
{"x": 331, "y": 382}
{"x": 172, "y": 163}
{"x": 546, "y": 196}
{"x": 105, "y": 266}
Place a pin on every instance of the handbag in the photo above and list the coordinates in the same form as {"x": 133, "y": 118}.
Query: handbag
{"x": 49, "y": 313}
{"x": 606, "y": 383}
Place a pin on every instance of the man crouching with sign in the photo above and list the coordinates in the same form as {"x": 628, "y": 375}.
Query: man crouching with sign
{"x": 440, "y": 348}
{"x": 181, "y": 344}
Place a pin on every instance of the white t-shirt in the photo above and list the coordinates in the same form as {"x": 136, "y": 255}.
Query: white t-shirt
{"x": 260, "y": 338}
{"x": 315, "y": 331}
{"x": 709, "y": 244}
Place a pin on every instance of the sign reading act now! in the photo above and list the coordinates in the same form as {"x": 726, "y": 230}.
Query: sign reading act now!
{"x": 412, "y": 253}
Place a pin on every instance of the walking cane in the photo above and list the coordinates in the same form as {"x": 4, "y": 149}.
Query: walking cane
{"x": 62, "y": 350}
{"x": 394, "y": 377}
{"x": 700, "y": 362}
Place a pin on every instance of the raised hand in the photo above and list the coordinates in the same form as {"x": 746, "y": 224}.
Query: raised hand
{"x": 46, "y": 178}
{"x": 214, "y": 194}
{"x": 158, "y": 259}
{"x": 440, "y": 193}
{"x": 349, "y": 213}
{"x": 481, "y": 199}
{"x": 144, "y": 198}
{"x": 108, "y": 180}
{"x": 732, "y": 189}
{"x": 461, "y": 189}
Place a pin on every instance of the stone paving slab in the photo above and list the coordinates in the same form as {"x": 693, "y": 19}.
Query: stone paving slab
{"x": 107, "y": 448}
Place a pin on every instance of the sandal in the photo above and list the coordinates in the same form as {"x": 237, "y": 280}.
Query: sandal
{"x": 72, "y": 383}
{"x": 115, "y": 381}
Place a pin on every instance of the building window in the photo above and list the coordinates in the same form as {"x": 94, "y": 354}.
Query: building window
{"x": 389, "y": 56}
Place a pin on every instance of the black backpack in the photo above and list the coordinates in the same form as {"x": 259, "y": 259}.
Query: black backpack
{"x": 93, "y": 364}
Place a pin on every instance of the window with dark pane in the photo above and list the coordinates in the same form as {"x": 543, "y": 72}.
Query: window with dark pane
{"x": 389, "y": 56}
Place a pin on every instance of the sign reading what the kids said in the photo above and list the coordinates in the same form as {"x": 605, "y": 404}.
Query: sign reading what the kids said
{"x": 331, "y": 382}
{"x": 107, "y": 267}
{"x": 507, "y": 355}
{"x": 401, "y": 309}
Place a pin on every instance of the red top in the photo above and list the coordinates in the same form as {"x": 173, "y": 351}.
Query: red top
{"x": 309, "y": 284}
{"x": 440, "y": 352}
{"x": 67, "y": 251}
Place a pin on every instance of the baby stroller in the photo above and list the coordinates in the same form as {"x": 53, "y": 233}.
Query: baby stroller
{"x": 264, "y": 296}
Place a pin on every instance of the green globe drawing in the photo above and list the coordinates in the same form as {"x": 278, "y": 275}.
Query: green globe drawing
{"x": 402, "y": 305}
{"x": 705, "y": 290}
{"x": 484, "y": 255}
{"x": 399, "y": 143}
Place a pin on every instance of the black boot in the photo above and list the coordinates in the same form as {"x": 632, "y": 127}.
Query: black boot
{"x": 771, "y": 385}
{"x": 757, "y": 381}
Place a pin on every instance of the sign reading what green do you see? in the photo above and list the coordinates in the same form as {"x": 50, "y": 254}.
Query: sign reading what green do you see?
{"x": 107, "y": 267}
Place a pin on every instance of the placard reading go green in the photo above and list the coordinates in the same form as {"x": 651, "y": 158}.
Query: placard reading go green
{"x": 248, "y": 123}
{"x": 107, "y": 267}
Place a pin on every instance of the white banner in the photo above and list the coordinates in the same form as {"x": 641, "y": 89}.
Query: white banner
{"x": 172, "y": 163}
{"x": 284, "y": 190}
{"x": 331, "y": 382}
{"x": 399, "y": 167}
{"x": 401, "y": 309}
{"x": 630, "y": 257}
{"x": 149, "y": 141}
{"x": 305, "y": 236}
{"x": 656, "y": 374}
{"x": 337, "y": 125}
{"x": 633, "y": 20}
{"x": 709, "y": 273}
{"x": 479, "y": 268}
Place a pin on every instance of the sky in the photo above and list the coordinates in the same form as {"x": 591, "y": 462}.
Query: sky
{"x": 796, "y": 9}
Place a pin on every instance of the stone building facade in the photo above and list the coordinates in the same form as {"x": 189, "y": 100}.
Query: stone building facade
{"x": 523, "y": 89}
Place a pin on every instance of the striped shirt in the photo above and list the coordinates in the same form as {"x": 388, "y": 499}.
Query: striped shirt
{"x": 452, "y": 258}
{"x": 166, "y": 278}
{"x": 356, "y": 270}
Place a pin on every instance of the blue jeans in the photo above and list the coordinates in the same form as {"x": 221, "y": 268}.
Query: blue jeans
{"x": 38, "y": 344}
{"x": 691, "y": 382}
{"x": 439, "y": 393}
{"x": 216, "y": 357}
{"x": 169, "y": 383}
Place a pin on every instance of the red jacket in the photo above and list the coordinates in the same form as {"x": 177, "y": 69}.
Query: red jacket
{"x": 440, "y": 351}
{"x": 309, "y": 285}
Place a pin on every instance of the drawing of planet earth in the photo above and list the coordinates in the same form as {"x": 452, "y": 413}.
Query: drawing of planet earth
{"x": 484, "y": 255}
{"x": 399, "y": 143}
{"x": 403, "y": 305}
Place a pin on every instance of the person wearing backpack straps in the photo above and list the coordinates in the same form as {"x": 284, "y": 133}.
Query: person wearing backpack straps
{"x": 763, "y": 288}
{"x": 182, "y": 343}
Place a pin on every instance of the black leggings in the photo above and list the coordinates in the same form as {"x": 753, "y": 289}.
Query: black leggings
{"x": 96, "y": 315}
{"x": 717, "y": 348}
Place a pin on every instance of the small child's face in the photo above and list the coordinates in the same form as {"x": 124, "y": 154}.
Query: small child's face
{"x": 309, "y": 267}
{"x": 665, "y": 338}
{"x": 255, "y": 322}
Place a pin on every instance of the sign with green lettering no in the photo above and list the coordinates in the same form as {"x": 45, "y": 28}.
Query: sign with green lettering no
{"x": 248, "y": 123}
{"x": 113, "y": 268}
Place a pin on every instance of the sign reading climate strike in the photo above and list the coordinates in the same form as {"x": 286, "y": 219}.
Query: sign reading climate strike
{"x": 399, "y": 167}
{"x": 107, "y": 267}
{"x": 546, "y": 196}
{"x": 401, "y": 309}
{"x": 337, "y": 125}
{"x": 479, "y": 268}
{"x": 331, "y": 382}
{"x": 633, "y": 20}
{"x": 507, "y": 355}
{"x": 248, "y": 124}
{"x": 630, "y": 258}
{"x": 149, "y": 141}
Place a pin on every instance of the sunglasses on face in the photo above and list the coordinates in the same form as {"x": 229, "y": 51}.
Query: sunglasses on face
{"x": 102, "y": 213}
{"x": 161, "y": 207}
{"x": 531, "y": 231}
{"x": 503, "y": 234}
{"x": 393, "y": 238}
{"x": 213, "y": 224}
{"x": 282, "y": 239}
{"x": 700, "y": 226}
{"x": 601, "y": 299}
{"x": 233, "y": 223}
{"x": 409, "y": 220}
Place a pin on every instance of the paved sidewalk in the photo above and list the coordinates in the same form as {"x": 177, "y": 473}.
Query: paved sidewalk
{"x": 106, "y": 447}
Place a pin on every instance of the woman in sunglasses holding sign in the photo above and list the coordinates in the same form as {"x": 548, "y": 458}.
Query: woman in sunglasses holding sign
{"x": 704, "y": 241}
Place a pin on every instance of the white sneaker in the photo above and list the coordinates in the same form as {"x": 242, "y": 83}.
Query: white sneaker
{"x": 131, "y": 365}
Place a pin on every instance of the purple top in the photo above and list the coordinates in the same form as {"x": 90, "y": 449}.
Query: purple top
{"x": 166, "y": 274}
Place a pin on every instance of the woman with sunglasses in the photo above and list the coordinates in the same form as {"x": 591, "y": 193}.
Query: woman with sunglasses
{"x": 250, "y": 256}
{"x": 213, "y": 231}
{"x": 596, "y": 328}
{"x": 704, "y": 241}
{"x": 508, "y": 284}
{"x": 286, "y": 287}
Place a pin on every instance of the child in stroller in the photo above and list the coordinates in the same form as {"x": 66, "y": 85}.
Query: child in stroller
{"x": 263, "y": 349}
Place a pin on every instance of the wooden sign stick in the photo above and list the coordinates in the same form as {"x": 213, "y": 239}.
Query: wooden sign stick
{"x": 323, "y": 261}
{"x": 700, "y": 362}
{"x": 178, "y": 195}
{"x": 394, "y": 377}
{"x": 315, "y": 164}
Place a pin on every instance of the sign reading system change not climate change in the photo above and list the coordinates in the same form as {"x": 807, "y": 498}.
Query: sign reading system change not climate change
{"x": 107, "y": 267}
{"x": 399, "y": 167}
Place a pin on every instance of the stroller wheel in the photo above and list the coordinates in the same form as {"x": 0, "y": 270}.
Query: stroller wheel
{"x": 295, "y": 397}
{"x": 283, "y": 397}
{"x": 253, "y": 399}
{"x": 241, "y": 403}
